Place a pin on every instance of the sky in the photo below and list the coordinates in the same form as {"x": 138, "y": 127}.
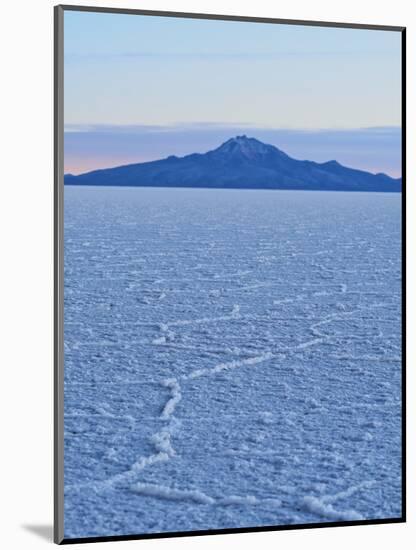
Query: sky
{"x": 138, "y": 88}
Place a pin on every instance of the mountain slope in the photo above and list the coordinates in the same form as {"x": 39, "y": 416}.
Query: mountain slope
{"x": 242, "y": 163}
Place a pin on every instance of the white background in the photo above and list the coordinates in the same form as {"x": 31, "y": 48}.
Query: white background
{"x": 26, "y": 271}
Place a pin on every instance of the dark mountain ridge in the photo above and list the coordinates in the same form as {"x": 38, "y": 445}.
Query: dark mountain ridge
{"x": 240, "y": 163}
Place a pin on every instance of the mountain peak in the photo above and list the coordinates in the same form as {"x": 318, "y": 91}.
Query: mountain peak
{"x": 243, "y": 139}
{"x": 246, "y": 148}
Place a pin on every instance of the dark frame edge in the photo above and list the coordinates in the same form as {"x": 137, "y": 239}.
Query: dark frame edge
{"x": 262, "y": 529}
{"x": 404, "y": 276}
{"x": 58, "y": 523}
{"x": 224, "y": 17}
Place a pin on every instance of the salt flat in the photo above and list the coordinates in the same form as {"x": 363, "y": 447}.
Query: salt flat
{"x": 232, "y": 358}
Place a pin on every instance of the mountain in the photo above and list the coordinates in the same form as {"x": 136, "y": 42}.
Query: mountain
{"x": 240, "y": 163}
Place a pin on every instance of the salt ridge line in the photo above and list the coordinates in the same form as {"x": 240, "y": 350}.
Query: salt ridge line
{"x": 170, "y": 335}
{"x": 332, "y": 317}
{"x": 348, "y": 492}
{"x": 138, "y": 466}
{"x": 229, "y": 365}
{"x": 168, "y": 493}
{"x": 161, "y": 441}
{"x": 323, "y": 506}
{"x": 176, "y": 396}
{"x": 339, "y": 316}
{"x": 235, "y": 314}
{"x": 209, "y": 350}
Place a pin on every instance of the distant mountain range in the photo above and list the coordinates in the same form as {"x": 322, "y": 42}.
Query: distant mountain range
{"x": 240, "y": 163}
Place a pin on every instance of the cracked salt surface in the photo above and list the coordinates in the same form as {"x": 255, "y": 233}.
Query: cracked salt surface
{"x": 232, "y": 359}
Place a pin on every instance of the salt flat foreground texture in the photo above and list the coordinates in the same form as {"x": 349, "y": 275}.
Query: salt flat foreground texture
{"x": 232, "y": 359}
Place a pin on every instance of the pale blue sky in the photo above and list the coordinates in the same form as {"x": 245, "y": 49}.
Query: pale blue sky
{"x": 139, "y": 71}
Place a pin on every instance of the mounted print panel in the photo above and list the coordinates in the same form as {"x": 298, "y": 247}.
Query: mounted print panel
{"x": 228, "y": 274}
